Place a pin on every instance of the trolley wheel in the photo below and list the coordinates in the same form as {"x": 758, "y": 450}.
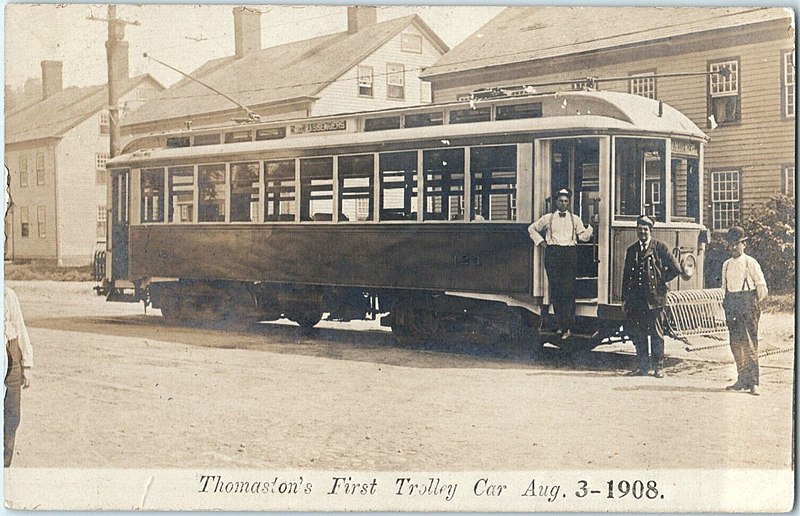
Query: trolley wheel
{"x": 306, "y": 315}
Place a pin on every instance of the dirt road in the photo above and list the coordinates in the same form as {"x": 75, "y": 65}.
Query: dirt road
{"x": 116, "y": 388}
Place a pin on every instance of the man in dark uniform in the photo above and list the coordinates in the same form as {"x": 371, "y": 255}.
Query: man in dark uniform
{"x": 649, "y": 266}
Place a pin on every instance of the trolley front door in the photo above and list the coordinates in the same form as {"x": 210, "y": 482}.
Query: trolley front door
{"x": 575, "y": 164}
{"x": 118, "y": 243}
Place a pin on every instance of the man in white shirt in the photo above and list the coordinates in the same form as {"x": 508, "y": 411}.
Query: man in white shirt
{"x": 745, "y": 287}
{"x": 20, "y": 359}
{"x": 562, "y": 230}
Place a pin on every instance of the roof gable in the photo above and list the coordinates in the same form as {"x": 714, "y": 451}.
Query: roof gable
{"x": 296, "y": 70}
{"x": 520, "y": 34}
{"x": 53, "y": 116}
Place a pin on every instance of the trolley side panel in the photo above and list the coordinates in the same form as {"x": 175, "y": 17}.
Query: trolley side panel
{"x": 491, "y": 258}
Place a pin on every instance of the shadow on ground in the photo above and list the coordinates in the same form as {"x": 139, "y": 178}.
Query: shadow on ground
{"x": 344, "y": 344}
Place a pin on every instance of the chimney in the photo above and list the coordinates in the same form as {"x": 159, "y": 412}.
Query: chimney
{"x": 360, "y": 16}
{"x": 247, "y": 30}
{"x": 52, "y": 81}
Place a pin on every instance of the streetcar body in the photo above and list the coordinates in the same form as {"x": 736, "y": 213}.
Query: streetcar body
{"x": 419, "y": 213}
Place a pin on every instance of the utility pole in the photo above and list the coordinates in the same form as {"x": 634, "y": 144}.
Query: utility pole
{"x": 116, "y": 35}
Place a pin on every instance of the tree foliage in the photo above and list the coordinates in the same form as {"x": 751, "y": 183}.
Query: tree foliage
{"x": 772, "y": 241}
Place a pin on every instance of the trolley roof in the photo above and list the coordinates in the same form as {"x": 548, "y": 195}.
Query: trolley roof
{"x": 558, "y": 113}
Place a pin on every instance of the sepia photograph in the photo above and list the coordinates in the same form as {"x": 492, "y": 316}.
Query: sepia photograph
{"x": 500, "y": 258}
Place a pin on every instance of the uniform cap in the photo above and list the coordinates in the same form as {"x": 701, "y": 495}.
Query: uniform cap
{"x": 645, "y": 220}
{"x": 735, "y": 235}
{"x": 564, "y": 191}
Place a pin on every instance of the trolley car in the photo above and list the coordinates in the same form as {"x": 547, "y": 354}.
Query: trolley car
{"x": 419, "y": 214}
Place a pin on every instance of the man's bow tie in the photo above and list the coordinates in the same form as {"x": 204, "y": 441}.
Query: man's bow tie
{"x": 562, "y": 214}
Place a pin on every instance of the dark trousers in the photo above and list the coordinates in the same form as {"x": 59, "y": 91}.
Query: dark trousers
{"x": 644, "y": 324}
{"x": 561, "y": 264}
{"x": 11, "y": 406}
{"x": 742, "y": 314}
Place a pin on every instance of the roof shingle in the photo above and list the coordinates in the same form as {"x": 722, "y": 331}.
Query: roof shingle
{"x": 276, "y": 74}
{"x": 520, "y": 34}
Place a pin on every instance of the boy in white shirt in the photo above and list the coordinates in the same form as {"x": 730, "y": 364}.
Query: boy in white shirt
{"x": 745, "y": 287}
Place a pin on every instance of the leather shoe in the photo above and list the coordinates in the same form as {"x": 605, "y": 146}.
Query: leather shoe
{"x": 658, "y": 374}
{"x": 734, "y": 387}
{"x": 566, "y": 335}
{"x": 637, "y": 372}
{"x": 754, "y": 390}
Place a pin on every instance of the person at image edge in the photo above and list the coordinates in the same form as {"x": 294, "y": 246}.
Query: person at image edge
{"x": 19, "y": 354}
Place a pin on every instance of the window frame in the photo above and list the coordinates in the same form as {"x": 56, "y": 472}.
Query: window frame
{"x": 40, "y": 170}
{"x": 788, "y": 183}
{"x": 370, "y": 85}
{"x": 23, "y": 170}
{"x": 398, "y": 77}
{"x": 788, "y": 98}
{"x": 41, "y": 221}
{"x": 644, "y": 74}
{"x": 406, "y": 46}
{"x": 711, "y": 95}
{"x": 24, "y": 222}
{"x": 104, "y": 122}
{"x": 102, "y": 218}
{"x": 714, "y": 202}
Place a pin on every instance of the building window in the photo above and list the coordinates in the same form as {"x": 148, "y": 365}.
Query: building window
{"x": 101, "y": 221}
{"x": 411, "y": 43}
{"x": 643, "y": 85}
{"x": 145, "y": 93}
{"x": 788, "y": 84}
{"x": 23, "y": 170}
{"x": 25, "y": 222}
{"x": 787, "y": 183}
{"x": 100, "y": 167}
{"x": 365, "y": 81}
{"x": 724, "y": 103}
{"x": 40, "y": 168}
{"x": 41, "y": 221}
{"x": 725, "y": 198}
{"x": 104, "y": 123}
{"x": 395, "y": 81}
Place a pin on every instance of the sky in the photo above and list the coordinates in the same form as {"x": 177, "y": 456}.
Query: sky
{"x": 184, "y": 36}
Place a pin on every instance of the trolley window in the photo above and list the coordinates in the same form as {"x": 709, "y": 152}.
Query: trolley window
{"x": 494, "y": 182}
{"x": 685, "y": 181}
{"x": 206, "y": 139}
{"x": 382, "y": 123}
{"x": 152, "y": 195}
{"x": 279, "y": 191}
{"x": 464, "y": 116}
{"x": 444, "y": 184}
{"x": 181, "y": 194}
{"x": 424, "y": 119}
{"x": 244, "y": 192}
{"x": 211, "y": 182}
{"x": 398, "y": 176}
{"x": 316, "y": 189}
{"x": 356, "y": 180}
{"x": 640, "y": 183}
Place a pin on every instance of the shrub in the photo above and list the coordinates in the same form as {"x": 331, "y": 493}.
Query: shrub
{"x": 771, "y": 229}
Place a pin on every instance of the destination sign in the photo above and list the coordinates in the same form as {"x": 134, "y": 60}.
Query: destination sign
{"x": 319, "y": 127}
{"x": 685, "y": 147}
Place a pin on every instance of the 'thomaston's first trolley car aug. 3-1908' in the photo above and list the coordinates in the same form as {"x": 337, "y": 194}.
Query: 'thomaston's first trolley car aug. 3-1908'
{"x": 419, "y": 213}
